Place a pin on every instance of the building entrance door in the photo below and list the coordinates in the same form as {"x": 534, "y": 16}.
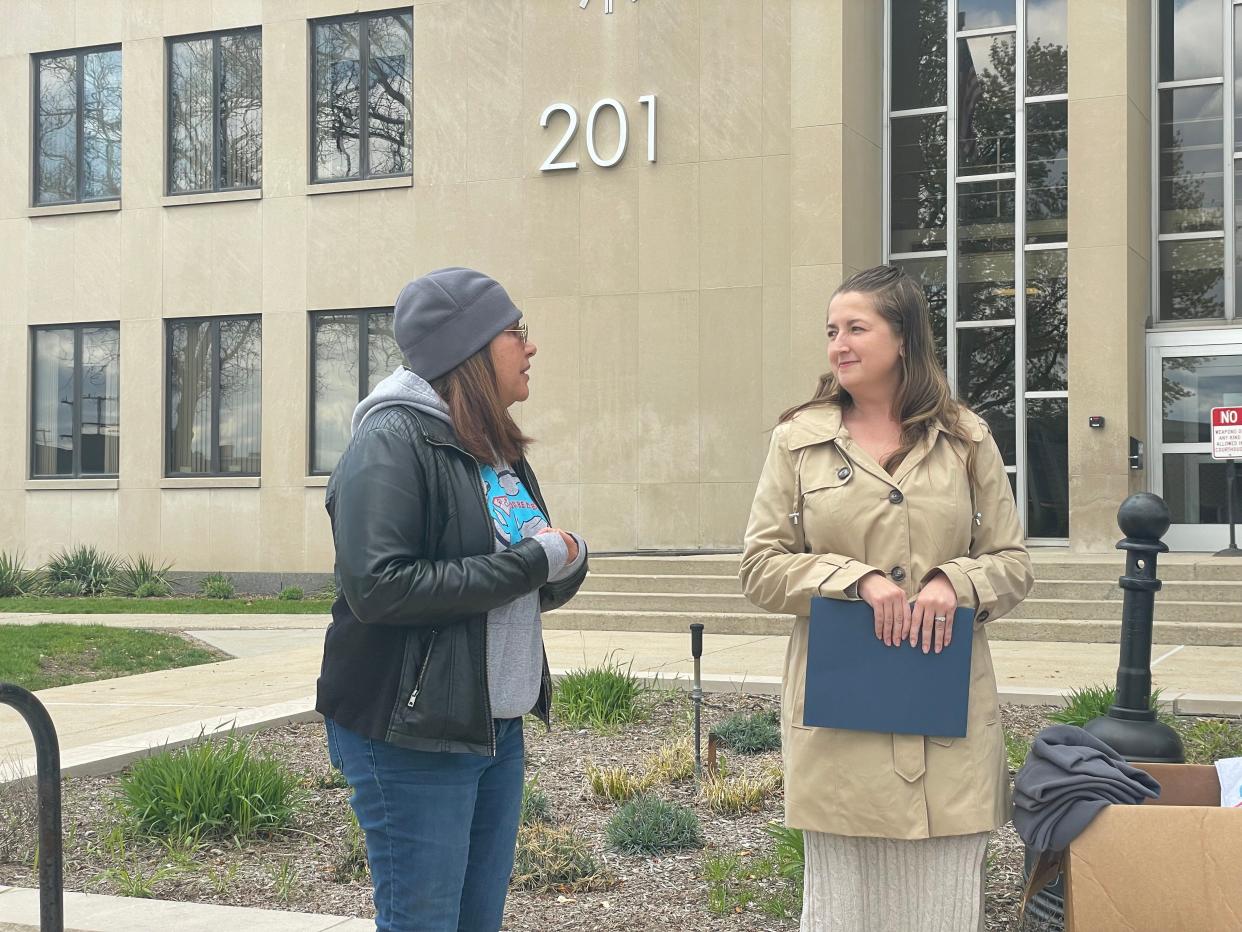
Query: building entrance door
{"x": 1188, "y": 374}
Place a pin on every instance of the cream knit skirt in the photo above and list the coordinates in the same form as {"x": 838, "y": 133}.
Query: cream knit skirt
{"x": 892, "y": 885}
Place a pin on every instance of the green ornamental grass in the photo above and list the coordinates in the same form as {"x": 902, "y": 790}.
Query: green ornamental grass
{"x": 141, "y": 577}
{"x": 751, "y": 734}
{"x": 1209, "y": 740}
{"x": 600, "y": 697}
{"x": 85, "y": 568}
{"x": 291, "y": 594}
{"x": 209, "y": 788}
{"x": 649, "y": 825}
{"x": 1082, "y": 705}
{"x": 216, "y": 586}
{"x": 15, "y": 579}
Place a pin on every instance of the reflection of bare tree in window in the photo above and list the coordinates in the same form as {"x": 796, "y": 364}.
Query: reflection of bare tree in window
{"x": 241, "y": 110}
{"x": 57, "y": 129}
{"x": 239, "y": 389}
{"x": 388, "y": 95}
{"x": 339, "y": 104}
{"x": 101, "y": 124}
{"x": 337, "y": 100}
{"x": 190, "y": 114}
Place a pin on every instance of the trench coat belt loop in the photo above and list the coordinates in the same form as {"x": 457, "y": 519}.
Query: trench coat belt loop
{"x": 908, "y": 760}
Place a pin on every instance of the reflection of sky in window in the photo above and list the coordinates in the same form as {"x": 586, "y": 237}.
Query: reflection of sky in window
{"x": 1196, "y": 39}
{"x": 979, "y": 14}
{"x": 1046, "y": 21}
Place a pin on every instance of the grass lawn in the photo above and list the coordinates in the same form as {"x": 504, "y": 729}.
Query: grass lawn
{"x": 42, "y": 656}
{"x": 107, "y": 605}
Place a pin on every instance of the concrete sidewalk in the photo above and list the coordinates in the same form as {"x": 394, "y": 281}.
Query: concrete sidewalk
{"x": 89, "y": 912}
{"x": 104, "y": 725}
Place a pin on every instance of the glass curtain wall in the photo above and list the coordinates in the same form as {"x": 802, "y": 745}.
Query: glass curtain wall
{"x": 1197, "y": 146}
{"x": 976, "y": 200}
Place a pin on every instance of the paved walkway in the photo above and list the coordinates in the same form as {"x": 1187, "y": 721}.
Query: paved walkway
{"x": 104, "y": 725}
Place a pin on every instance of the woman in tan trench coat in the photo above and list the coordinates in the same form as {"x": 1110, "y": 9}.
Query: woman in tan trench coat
{"x": 883, "y": 488}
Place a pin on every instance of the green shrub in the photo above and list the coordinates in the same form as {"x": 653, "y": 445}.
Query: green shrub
{"x": 291, "y": 594}
{"x": 649, "y": 825}
{"x": 751, "y": 734}
{"x": 67, "y": 588}
{"x": 15, "y": 579}
{"x": 141, "y": 577}
{"x": 216, "y": 586}
{"x": 1208, "y": 740}
{"x": 601, "y": 697}
{"x": 211, "y": 787}
{"x": 1082, "y": 705}
{"x": 549, "y": 858}
{"x": 90, "y": 568}
{"x": 535, "y": 806}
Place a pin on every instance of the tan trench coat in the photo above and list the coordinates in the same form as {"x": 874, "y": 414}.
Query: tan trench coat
{"x": 856, "y": 518}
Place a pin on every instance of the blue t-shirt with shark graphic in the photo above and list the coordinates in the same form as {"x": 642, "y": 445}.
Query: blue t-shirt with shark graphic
{"x": 515, "y": 515}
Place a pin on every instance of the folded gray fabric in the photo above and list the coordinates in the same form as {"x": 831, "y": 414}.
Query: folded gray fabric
{"x": 1070, "y": 775}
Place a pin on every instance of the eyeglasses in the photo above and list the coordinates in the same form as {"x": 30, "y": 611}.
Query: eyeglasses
{"x": 522, "y": 330}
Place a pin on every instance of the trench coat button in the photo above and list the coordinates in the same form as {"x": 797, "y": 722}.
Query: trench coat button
{"x": 983, "y": 616}
{"x": 896, "y": 497}
{"x": 898, "y": 574}
{"x": 843, "y": 472}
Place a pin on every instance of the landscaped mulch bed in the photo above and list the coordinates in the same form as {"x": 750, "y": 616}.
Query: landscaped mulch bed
{"x": 306, "y": 868}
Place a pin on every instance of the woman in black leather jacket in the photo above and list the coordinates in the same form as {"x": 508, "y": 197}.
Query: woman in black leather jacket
{"x": 445, "y": 559}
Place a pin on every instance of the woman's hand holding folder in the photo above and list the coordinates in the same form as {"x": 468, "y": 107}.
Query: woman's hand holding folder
{"x": 896, "y": 619}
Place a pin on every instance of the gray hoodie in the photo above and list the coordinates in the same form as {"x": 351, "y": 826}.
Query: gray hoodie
{"x": 514, "y": 630}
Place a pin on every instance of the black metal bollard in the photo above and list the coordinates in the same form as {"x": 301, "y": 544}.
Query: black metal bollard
{"x": 1130, "y": 727}
{"x": 696, "y": 694}
{"x": 47, "y": 756}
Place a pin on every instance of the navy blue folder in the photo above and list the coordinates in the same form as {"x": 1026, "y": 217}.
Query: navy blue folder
{"x": 855, "y": 681}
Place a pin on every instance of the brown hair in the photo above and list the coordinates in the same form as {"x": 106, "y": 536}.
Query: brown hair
{"x": 923, "y": 394}
{"x": 484, "y": 427}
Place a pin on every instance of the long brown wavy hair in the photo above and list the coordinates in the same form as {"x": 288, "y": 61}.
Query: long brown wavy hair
{"x": 483, "y": 424}
{"x": 923, "y": 394}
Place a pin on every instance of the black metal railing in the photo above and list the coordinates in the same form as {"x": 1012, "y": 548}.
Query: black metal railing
{"x": 51, "y": 848}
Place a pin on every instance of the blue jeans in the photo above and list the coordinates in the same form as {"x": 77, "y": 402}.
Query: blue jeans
{"x": 440, "y": 828}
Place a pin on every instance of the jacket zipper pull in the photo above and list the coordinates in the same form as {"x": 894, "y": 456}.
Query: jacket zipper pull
{"x": 413, "y": 697}
{"x": 978, "y": 519}
{"x": 793, "y": 517}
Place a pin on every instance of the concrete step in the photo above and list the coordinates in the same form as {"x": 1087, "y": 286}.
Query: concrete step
{"x": 722, "y": 565}
{"x": 697, "y": 585}
{"x": 1175, "y": 591}
{"x": 1166, "y": 611}
{"x": 1071, "y": 609}
{"x": 763, "y": 624}
{"x": 1054, "y": 565}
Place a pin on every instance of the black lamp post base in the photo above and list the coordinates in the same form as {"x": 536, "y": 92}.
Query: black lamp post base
{"x": 1152, "y": 742}
{"x": 1229, "y": 552}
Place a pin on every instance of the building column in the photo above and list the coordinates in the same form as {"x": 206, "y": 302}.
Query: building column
{"x": 836, "y": 196}
{"x": 1109, "y": 258}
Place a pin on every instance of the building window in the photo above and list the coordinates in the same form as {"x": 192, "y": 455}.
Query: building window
{"x": 214, "y": 396}
{"x": 215, "y": 112}
{"x": 1198, "y": 145}
{"x": 977, "y": 194}
{"x": 75, "y": 401}
{"x": 77, "y": 126}
{"x": 351, "y": 351}
{"x": 360, "y": 96}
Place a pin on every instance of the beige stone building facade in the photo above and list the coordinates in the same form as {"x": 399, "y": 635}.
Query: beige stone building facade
{"x": 207, "y": 208}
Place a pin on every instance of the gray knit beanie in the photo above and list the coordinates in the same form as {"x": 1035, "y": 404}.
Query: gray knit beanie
{"x": 445, "y": 317}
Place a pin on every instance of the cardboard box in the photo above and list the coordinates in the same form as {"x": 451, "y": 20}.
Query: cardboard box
{"x": 1173, "y": 864}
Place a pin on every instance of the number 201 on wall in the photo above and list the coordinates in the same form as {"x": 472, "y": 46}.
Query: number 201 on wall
{"x": 551, "y": 164}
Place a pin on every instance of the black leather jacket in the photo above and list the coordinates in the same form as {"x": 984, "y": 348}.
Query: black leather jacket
{"x": 405, "y": 658}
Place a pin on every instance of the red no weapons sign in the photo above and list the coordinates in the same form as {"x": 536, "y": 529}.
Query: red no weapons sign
{"x": 1227, "y": 433}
